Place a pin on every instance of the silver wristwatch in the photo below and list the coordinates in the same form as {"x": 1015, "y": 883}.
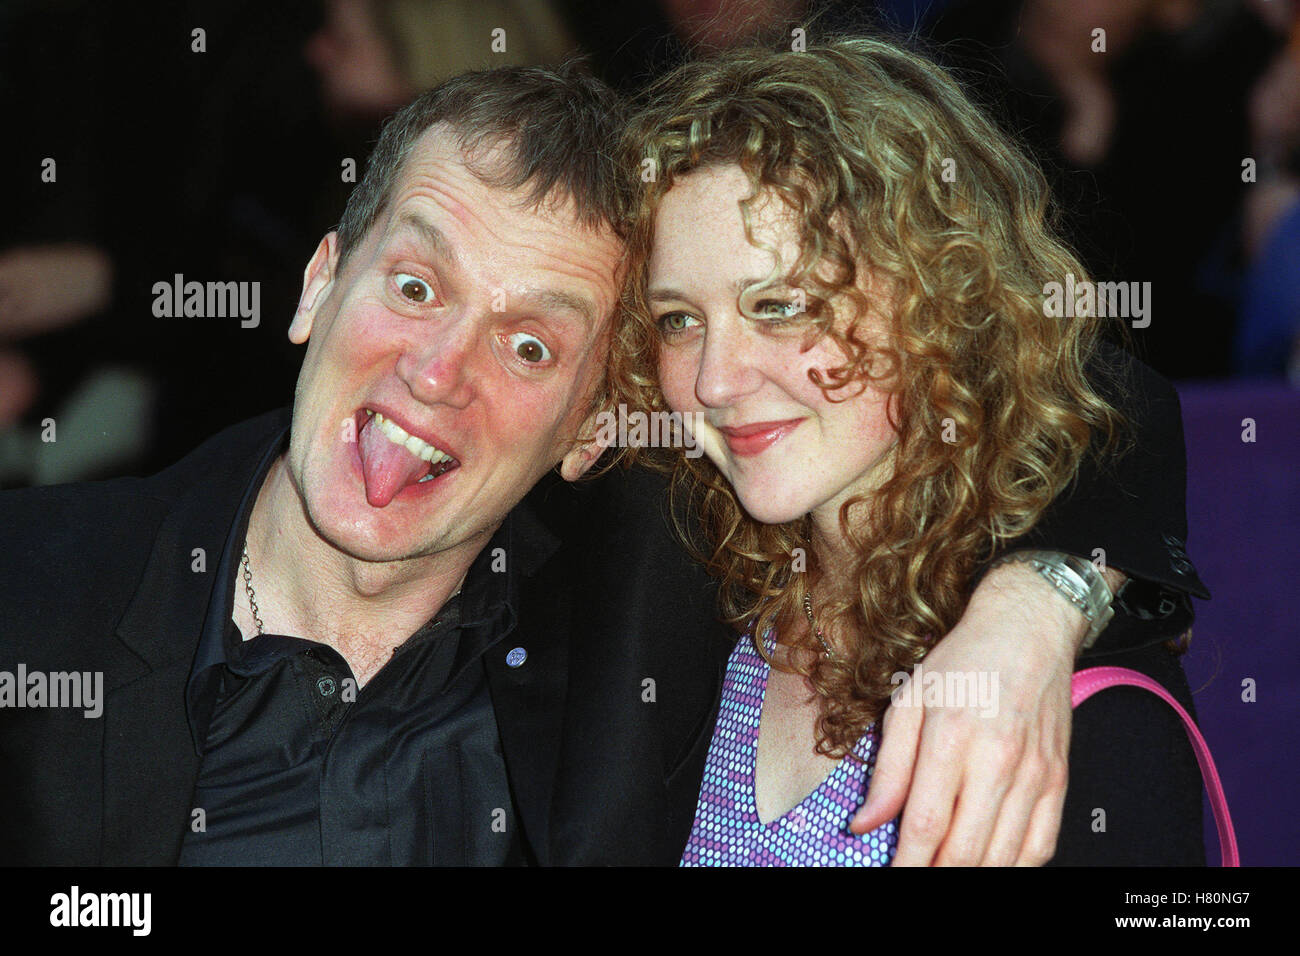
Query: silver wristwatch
{"x": 1078, "y": 581}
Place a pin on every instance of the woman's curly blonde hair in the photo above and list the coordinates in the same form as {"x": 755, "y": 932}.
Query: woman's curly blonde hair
{"x": 889, "y": 168}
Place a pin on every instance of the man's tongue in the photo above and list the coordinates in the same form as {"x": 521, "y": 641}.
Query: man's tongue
{"x": 387, "y": 468}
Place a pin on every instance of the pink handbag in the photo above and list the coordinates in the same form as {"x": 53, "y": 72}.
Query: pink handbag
{"x": 1085, "y": 683}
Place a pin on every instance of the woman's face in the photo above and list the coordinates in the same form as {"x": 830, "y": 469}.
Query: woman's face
{"x": 787, "y": 447}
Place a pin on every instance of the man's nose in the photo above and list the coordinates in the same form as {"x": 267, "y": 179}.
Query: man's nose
{"x": 727, "y": 371}
{"x": 439, "y": 368}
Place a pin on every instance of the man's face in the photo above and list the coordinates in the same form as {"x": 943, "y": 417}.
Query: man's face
{"x": 470, "y": 323}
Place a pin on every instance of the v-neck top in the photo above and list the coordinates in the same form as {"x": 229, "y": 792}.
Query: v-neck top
{"x": 727, "y": 829}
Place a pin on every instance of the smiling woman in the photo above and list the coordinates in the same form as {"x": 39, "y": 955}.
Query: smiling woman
{"x": 838, "y": 266}
{"x": 823, "y": 174}
{"x": 742, "y": 361}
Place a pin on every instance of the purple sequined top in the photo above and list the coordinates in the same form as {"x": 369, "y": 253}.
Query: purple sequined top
{"x": 727, "y": 830}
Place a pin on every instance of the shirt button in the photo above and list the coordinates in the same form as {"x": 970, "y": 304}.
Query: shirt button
{"x": 326, "y": 686}
{"x": 516, "y": 657}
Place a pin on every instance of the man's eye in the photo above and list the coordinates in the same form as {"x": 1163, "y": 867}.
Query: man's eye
{"x": 529, "y": 347}
{"x": 675, "y": 323}
{"x": 413, "y": 287}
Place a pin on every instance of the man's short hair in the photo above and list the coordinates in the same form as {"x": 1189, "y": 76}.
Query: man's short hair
{"x": 557, "y": 125}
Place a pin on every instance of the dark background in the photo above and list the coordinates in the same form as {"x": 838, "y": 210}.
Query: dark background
{"x": 225, "y": 165}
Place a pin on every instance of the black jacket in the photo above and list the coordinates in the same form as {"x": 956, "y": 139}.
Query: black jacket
{"x": 604, "y": 729}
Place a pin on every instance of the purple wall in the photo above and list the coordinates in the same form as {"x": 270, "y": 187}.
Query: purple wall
{"x": 1243, "y": 510}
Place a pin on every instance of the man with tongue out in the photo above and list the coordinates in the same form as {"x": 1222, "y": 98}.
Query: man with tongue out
{"x": 315, "y": 622}
{"x": 346, "y": 638}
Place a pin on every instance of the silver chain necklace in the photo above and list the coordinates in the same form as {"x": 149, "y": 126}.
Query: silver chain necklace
{"x": 248, "y": 589}
{"x": 252, "y": 595}
{"x": 812, "y": 622}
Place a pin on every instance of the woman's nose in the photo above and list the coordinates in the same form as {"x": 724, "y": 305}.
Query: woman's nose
{"x": 727, "y": 364}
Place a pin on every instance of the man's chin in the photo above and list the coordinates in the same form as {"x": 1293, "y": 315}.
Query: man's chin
{"x": 335, "y": 507}
{"x": 360, "y": 532}
{"x": 375, "y": 536}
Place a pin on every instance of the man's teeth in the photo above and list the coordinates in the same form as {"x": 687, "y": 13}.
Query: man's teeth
{"x": 396, "y": 434}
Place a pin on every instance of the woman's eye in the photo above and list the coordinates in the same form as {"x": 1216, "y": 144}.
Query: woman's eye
{"x": 529, "y": 347}
{"x": 674, "y": 323}
{"x": 778, "y": 309}
{"x": 413, "y": 288}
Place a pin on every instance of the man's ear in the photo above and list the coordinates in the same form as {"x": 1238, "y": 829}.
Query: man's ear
{"x": 317, "y": 280}
{"x": 581, "y": 457}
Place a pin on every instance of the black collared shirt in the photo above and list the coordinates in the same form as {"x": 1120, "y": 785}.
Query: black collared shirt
{"x": 300, "y": 767}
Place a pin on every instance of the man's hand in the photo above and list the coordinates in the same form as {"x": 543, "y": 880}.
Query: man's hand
{"x": 985, "y": 785}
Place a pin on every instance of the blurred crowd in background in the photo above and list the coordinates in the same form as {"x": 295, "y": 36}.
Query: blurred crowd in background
{"x": 1175, "y": 157}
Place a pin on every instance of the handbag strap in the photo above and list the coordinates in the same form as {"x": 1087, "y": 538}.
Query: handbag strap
{"x": 1085, "y": 683}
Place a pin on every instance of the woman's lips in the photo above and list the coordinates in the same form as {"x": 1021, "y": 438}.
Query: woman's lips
{"x": 748, "y": 440}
